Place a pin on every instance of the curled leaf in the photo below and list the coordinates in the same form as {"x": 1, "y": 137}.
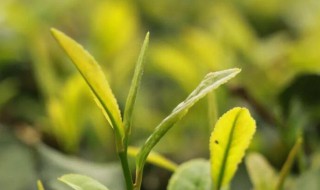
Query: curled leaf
{"x": 210, "y": 82}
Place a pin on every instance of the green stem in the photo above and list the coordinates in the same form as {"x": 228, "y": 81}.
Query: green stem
{"x": 288, "y": 164}
{"x": 126, "y": 169}
{"x": 138, "y": 181}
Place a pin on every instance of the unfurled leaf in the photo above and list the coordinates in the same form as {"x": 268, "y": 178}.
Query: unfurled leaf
{"x": 95, "y": 78}
{"x": 262, "y": 174}
{"x": 229, "y": 140}
{"x": 210, "y": 82}
{"x": 80, "y": 182}
{"x": 135, "y": 84}
{"x": 155, "y": 158}
{"x": 192, "y": 175}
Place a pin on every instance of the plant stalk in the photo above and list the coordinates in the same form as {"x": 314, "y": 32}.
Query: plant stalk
{"x": 126, "y": 169}
{"x": 138, "y": 181}
{"x": 288, "y": 164}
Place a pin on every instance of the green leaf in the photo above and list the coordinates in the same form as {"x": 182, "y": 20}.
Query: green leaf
{"x": 135, "y": 84}
{"x": 262, "y": 174}
{"x": 210, "y": 82}
{"x": 95, "y": 78}
{"x": 229, "y": 140}
{"x": 192, "y": 175}
{"x": 155, "y": 158}
{"x": 80, "y": 182}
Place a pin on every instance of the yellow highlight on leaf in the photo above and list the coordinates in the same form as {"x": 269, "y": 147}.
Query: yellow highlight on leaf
{"x": 95, "y": 78}
{"x": 229, "y": 140}
{"x": 155, "y": 158}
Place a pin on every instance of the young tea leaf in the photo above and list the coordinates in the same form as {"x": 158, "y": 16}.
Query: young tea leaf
{"x": 80, "y": 182}
{"x": 229, "y": 140}
{"x": 135, "y": 84}
{"x": 95, "y": 78}
{"x": 192, "y": 175}
{"x": 155, "y": 158}
{"x": 210, "y": 82}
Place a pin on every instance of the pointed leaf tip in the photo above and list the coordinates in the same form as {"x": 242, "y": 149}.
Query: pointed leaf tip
{"x": 229, "y": 140}
{"x": 135, "y": 85}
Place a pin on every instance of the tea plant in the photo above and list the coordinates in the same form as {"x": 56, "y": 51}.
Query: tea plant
{"x": 229, "y": 139}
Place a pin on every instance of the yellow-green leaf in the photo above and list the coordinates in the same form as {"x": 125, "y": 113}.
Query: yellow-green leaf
{"x": 229, "y": 140}
{"x": 95, "y": 78}
{"x": 39, "y": 185}
{"x": 210, "y": 82}
{"x": 155, "y": 158}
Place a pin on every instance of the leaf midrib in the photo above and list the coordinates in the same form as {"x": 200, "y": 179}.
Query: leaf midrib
{"x": 109, "y": 113}
{"x": 225, "y": 156}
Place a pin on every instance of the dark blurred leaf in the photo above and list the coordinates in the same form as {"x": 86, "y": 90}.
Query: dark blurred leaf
{"x": 305, "y": 89}
{"x": 8, "y": 89}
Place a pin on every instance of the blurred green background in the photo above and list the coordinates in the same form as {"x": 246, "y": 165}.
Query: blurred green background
{"x": 49, "y": 124}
